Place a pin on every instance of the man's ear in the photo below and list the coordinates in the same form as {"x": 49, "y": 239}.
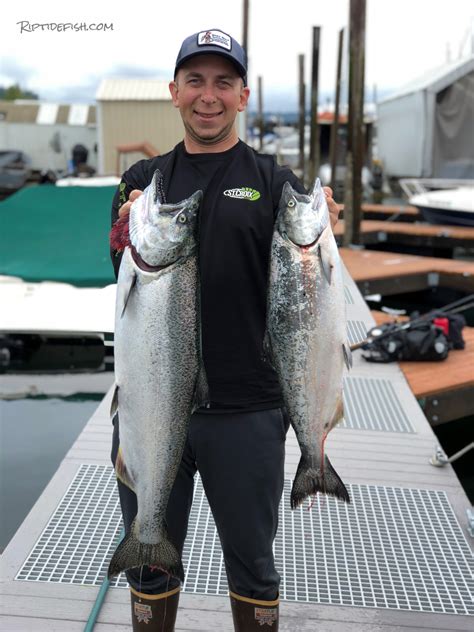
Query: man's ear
{"x": 173, "y": 88}
{"x": 244, "y": 97}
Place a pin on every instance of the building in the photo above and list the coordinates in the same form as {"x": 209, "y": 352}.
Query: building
{"x": 47, "y": 132}
{"x": 134, "y": 112}
{"x": 426, "y": 130}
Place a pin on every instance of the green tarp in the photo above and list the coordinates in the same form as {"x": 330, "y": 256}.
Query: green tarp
{"x": 51, "y": 233}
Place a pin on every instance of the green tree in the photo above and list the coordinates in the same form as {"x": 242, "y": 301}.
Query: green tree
{"x": 16, "y": 92}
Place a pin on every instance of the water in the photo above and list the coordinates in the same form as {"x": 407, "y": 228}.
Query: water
{"x": 35, "y": 434}
{"x": 453, "y": 436}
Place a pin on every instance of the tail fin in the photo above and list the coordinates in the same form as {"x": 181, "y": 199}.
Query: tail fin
{"x": 309, "y": 480}
{"x": 132, "y": 553}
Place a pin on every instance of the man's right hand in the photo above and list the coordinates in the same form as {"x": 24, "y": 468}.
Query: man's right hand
{"x": 124, "y": 210}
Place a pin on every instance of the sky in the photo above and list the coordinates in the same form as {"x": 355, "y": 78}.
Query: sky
{"x": 404, "y": 39}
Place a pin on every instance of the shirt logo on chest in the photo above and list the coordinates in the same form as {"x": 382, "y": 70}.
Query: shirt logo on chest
{"x": 243, "y": 193}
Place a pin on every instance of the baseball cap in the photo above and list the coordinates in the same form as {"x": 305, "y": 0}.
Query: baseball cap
{"x": 214, "y": 42}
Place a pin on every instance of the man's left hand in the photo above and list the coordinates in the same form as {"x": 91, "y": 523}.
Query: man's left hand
{"x": 332, "y": 206}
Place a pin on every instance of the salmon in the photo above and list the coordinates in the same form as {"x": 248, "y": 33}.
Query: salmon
{"x": 306, "y": 339}
{"x": 158, "y": 365}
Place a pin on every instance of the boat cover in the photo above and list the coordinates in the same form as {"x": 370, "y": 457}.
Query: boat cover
{"x": 57, "y": 234}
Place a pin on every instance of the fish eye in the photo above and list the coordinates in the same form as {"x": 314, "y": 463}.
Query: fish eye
{"x": 182, "y": 218}
{"x": 291, "y": 203}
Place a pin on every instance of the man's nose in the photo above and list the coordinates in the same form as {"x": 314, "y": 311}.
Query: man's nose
{"x": 208, "y": 94}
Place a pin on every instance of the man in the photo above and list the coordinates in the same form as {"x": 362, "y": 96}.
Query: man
{"x": 237, "y": 443}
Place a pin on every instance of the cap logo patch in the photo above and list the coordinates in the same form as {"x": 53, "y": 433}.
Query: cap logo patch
{"x": 214, "y": 38}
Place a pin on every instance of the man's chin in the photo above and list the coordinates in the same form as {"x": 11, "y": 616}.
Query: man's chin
{"x": 209, "y": 137}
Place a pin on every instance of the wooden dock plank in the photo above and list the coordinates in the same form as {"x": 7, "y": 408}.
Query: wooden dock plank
{"x": 209, "y": 614}
{"x": 414, "y": 233}
{"x": 387, "y": 273}
{"x": 367, "y": 265}
{"x": 400, "y": 213}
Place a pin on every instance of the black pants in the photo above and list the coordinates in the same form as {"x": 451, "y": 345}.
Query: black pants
{"x": 240, "y": 457}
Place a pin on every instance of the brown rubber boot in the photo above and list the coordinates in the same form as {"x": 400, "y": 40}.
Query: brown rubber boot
{"x": 251, "y": 615}
{"x": 154, "y": 613}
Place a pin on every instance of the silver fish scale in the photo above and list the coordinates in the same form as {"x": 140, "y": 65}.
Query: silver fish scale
{"x": 156, "y": 381}
{"x": 306, "y": 326}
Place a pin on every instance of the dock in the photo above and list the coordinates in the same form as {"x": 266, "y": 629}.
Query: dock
{"x": 399, "y": 557}
{"x": 391, "y": 212}
{"x": 387, "y": 273}
{"x": 443, "y": 238}
{"x": 444, "y": 390}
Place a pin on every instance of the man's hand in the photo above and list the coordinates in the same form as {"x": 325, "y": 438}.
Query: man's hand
{"x": 332, "y": 206}
{"x": 124, "y": 210}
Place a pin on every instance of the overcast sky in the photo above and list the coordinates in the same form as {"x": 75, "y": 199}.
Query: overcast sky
{"x": 404, "y": 39}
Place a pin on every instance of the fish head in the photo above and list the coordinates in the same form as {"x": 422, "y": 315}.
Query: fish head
{"x": 162, "y": 233}
{"x": 302, "y": 218}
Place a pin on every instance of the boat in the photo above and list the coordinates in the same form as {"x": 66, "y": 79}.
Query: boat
{"x": 452, "y": 206}
{"x": 55, "y": 327}
{"x": 14, "y": 171}
{"x": 93, "y": 181}
{"x": 447, "y": 202}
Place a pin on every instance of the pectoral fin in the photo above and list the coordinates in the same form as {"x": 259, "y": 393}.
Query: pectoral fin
{"x": 326, "y": 262}
{"x": 201, "y": 391}
{"x": 267, "y": 350}
{"x": 125, "y": 286}
{"x": 121, "y": 471}
{"x": 346, "y": 350}
{"x": 114, "y": 403}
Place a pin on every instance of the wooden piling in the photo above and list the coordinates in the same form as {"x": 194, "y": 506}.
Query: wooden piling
{"x": 335, "y": 125}
{"x": 355, "y": 140}
{"x": 261, "y": 123}
{"x": 245, "y": 41}
{"x": 245, "y": 27}
{"x": 314, "y": 151}
{"x": 302, "y": 113}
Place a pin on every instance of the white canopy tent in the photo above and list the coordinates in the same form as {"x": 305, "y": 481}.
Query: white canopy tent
{"x": 426, "y": 130}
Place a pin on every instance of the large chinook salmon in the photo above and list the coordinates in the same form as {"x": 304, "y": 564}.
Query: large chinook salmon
{"x": 158, "y": 368}
{"x": 306, "y": 337}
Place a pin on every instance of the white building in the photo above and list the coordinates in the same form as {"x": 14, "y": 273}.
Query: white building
{"x": 134, "y": 112}
{"x": 47, "y": 132}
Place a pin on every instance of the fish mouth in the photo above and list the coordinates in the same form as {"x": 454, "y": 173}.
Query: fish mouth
{"x": 304, "y": 246}
{"x": 142, "y": 264}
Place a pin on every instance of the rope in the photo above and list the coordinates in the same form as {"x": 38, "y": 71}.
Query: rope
{"x": 99, "y": 600}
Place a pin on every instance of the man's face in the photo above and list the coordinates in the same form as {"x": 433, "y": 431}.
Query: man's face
{"x": 209, "y": 92}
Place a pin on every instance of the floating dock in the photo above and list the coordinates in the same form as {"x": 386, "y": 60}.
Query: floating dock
{"x": 389, "y": 273}
{"x": 399, "y": 557}
{"x": 390, "y": 233}
{"x": 392, "y": 212}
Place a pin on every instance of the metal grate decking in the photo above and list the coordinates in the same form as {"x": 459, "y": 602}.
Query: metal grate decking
{"x": 390, "y": 548}
{"x": 348, "y": 296}
{"x": 373, "y": 404}
{"x": 356, "y": 331}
